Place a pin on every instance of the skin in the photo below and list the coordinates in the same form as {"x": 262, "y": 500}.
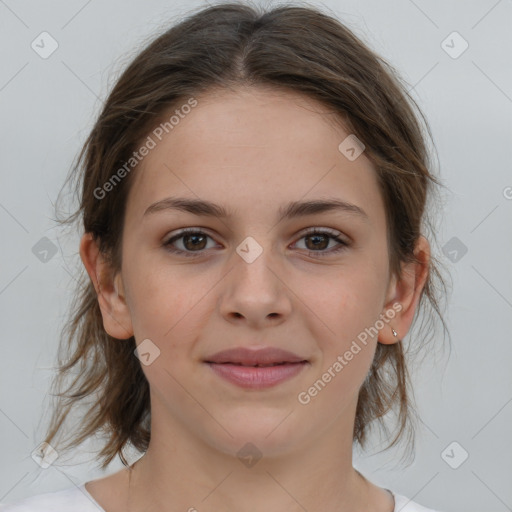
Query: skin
{"x": 252, "y": 151}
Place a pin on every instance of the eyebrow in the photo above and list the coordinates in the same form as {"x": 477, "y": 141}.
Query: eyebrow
{"x": 293, "y": 209}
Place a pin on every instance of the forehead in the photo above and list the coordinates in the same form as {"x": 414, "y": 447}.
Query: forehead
{"x": 253, "y": 146}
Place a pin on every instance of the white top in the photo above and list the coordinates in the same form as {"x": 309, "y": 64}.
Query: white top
{"x": 78, "y": 499}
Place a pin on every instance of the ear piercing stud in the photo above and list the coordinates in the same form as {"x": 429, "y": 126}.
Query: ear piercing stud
{"x": 395, "y": 334}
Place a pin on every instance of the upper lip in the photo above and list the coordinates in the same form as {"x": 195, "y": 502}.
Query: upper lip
{"x": 251, "y": 357}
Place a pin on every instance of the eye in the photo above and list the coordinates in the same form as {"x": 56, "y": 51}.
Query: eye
{"x": 319, "y": 240}
{"x": 194, "y": 242}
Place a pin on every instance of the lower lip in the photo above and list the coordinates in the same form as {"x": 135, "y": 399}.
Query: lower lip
{"x": 255, "y": 377}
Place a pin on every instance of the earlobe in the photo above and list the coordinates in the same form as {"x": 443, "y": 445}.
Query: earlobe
{"x": 406, "y": 292}
{"x": 110, "y": 293}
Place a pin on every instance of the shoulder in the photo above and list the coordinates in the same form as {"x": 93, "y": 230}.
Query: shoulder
{"x": 73, "y": 498}
{"x": 403, "y": 504}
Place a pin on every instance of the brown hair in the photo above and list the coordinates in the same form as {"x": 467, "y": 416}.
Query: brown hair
{"x": 294, "y": 48}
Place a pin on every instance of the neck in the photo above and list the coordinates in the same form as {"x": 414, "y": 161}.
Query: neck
{"x": 188, "y": 475}
{"x": 266, "y": 490}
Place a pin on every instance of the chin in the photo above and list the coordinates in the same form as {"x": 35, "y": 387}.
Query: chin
{"x": 267, "y": 433}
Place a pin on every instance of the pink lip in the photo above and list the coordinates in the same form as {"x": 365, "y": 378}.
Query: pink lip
{"x": 252, "y": 357}
{"x": 257, "y": 377}
{"x": 239, "y": 366}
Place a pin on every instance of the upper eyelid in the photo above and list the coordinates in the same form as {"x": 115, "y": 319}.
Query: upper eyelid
{"x": 302, "y": 232}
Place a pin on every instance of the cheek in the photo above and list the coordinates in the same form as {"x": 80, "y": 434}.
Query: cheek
{"x": 163, "y": 305}
{"x": 345, "y": 301}
{"x": 346, "y": 306}
{"x": 346, "y": 312}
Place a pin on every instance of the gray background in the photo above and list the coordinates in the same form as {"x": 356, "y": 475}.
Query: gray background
{"x": 47, "y": 108}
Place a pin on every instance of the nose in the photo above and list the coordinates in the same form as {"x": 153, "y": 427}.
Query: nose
{"x": 255, "y": 290}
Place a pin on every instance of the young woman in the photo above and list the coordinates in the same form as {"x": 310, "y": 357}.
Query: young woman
{"x": 253, "y": 205}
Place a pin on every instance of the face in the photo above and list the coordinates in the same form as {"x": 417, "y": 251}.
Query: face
{"x": 255, "y": 278}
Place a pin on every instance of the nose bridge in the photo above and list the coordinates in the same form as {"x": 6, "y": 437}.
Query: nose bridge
{"x": 254, "y": 262}
{"x": 255, "y": 289}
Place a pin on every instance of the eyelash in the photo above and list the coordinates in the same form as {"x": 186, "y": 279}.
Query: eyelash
{"x": 315, "y": 231}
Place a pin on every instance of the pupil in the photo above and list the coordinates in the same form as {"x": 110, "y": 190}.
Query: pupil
{"x": 194, "y": 243}
{"x": 316, "y": 237}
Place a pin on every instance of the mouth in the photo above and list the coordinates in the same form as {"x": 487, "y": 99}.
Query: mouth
{"x": 262, "y": 357}
{"x": 256, "y": 369}
{"x": 258, "y": 365}
{"x": 255, "y": 376}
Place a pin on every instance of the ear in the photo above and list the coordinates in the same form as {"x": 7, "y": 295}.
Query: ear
{"x": 404, "y": 293}
{"x": 110, "y": 290}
